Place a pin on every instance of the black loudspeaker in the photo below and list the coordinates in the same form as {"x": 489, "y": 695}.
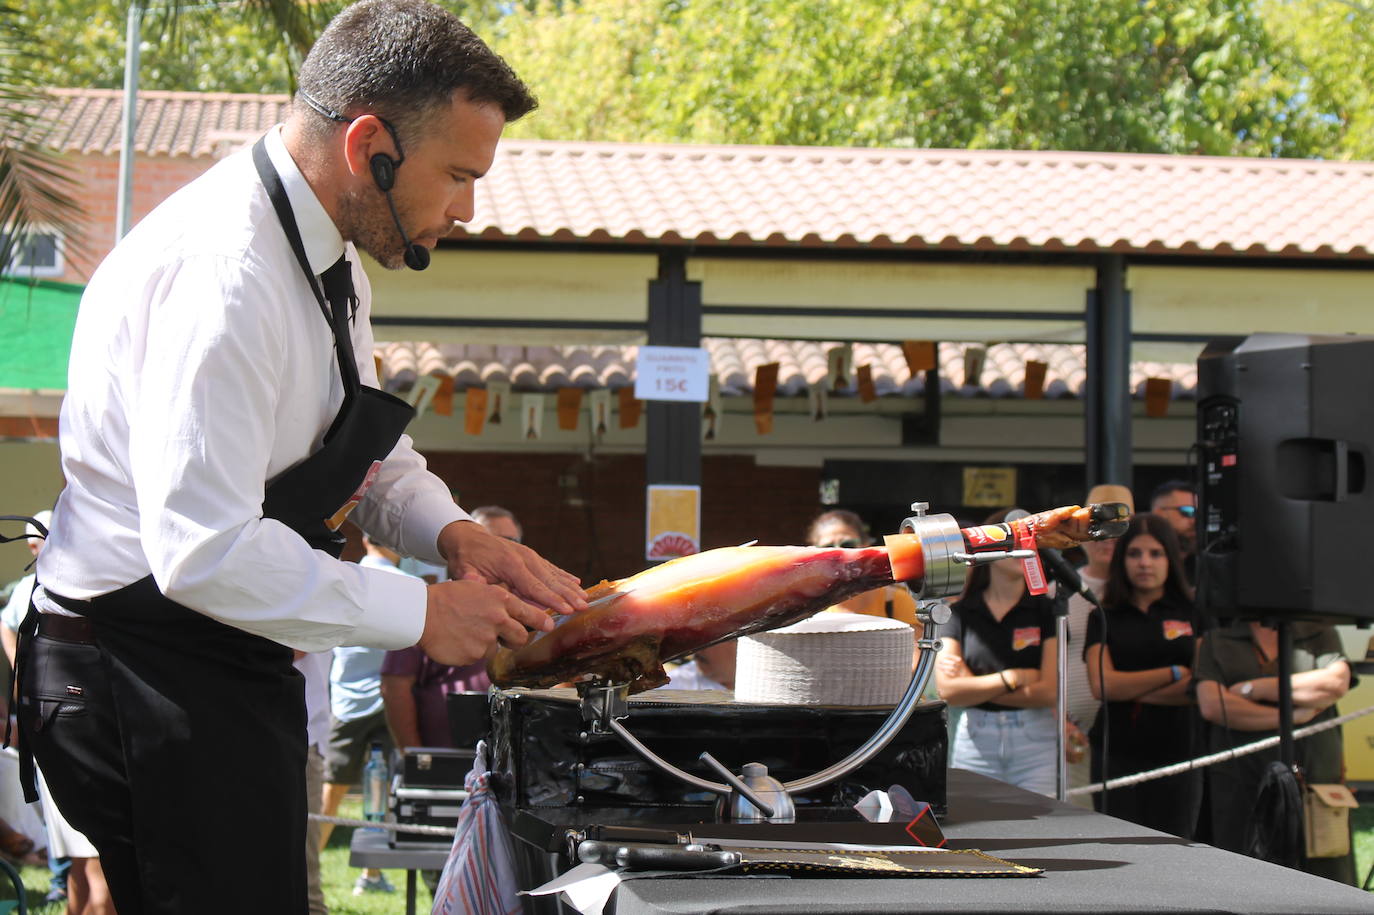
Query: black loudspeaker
{"x": 1286, "y": 512}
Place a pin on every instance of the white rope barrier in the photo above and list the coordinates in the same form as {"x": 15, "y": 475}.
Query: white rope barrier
{"x": 382, "y": 824}
{"x": 1165, "y": 771}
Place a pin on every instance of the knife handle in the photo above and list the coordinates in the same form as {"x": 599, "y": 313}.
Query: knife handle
{"x": 637, "y": 856}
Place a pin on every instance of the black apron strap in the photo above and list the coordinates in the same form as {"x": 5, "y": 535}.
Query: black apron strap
{"x": 38, "y": 525}
{"x": 28, "y": 778}
{"x": 338, "y": 323}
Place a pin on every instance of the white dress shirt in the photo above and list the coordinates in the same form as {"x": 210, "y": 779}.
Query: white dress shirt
{"x": 314, "y": 667}
{"x": 201, "y": 369}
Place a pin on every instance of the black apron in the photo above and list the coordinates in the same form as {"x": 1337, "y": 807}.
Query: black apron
{"x": 208, "y": 729}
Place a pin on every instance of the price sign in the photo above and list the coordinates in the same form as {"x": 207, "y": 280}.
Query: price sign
{"x": 672, "y": 373}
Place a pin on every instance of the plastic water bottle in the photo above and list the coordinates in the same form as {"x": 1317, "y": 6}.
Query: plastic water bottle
{"x": 375, "y": 785}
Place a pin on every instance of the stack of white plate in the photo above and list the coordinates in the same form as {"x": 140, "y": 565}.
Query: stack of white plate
{"x": 832, "y": 658}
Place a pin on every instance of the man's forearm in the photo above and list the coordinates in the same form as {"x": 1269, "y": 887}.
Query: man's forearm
{"x": 1311, "y": 688}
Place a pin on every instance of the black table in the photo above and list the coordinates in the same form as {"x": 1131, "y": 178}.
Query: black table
{"x": 1092, "y": 863}
{"x": 372, "y": 848}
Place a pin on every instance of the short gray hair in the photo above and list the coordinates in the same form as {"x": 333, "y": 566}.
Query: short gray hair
{"x": 484, "y": 513}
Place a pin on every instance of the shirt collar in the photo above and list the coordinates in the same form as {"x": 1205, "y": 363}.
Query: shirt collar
{"x": 323, "y": 243}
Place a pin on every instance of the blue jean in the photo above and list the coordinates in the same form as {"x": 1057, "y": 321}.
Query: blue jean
{"x": 1017, "y": 746}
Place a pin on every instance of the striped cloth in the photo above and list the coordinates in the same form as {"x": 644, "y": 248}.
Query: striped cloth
{"x": 479, "y": 876}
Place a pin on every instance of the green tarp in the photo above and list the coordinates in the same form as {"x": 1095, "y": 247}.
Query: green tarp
{"x": 36, "y": 321}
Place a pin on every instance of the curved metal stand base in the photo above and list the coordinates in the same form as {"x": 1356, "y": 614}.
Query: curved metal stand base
{"x": 603, "y": 705}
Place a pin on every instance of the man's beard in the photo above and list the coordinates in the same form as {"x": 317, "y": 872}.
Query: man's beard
{"x": 366, "y": 221}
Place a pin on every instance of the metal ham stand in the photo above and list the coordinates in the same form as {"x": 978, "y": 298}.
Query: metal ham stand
{"x": 754, "y": 795}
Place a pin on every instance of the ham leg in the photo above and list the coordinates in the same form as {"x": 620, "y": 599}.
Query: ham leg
{"x": 633, "y": 625}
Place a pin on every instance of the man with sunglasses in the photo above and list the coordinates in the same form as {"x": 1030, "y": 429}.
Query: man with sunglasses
{"x": 222, "y": 419}
{"x": 1176, "y": 502}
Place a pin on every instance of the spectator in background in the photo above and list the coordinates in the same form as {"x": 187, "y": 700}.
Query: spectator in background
{"x": 1141, "y": 660}
{"x": 712, "y": 667}
{"x": 1237, "y": 694}
{"x": 415, "y": 688}
{"x": 998, "y": 661}
{"x": 846, "y": 530}
{"x": 1176, "y": 502}
{"x": 356, "y": 721}
{"x": 314, "y": 667}
{"x": 1079, "y": 703}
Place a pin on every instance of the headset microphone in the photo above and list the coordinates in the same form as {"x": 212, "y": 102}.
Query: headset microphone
{"x": 384, "y": 175}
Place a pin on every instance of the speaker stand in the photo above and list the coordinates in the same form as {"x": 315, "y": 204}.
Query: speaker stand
{"x": 1287, "y": 751}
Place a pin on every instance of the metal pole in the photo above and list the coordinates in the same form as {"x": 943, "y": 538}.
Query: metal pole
{"x": 672, "y": 448}
{"x": 1107, "y": 404}
{"x": 132, "y": 40}
{"x": 1061, "y": 710}
{"x": 1287, "y": 752}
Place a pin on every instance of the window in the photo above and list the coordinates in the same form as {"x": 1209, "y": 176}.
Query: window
{"x": 39, "y": 256}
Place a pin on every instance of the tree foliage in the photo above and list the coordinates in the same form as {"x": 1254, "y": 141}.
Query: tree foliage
{"x": 1194, "y": 76}
{"x": 223, "y": 48}
{"x": 1334, "y": 42}
{"x": 37, "y": 188}
{"x": 1224, "y": 77}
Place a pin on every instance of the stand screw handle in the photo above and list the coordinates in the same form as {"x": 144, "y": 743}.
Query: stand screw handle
{"x": 734, "y": 782}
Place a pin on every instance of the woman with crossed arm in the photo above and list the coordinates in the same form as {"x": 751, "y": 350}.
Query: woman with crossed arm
{"x": 997, "y": 660}
{"x": 1143, "y": 664}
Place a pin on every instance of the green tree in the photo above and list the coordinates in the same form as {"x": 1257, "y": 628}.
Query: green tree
{"x": 37, "y": 190}
{"x": 1195, "y": 76}
{"x": 205, "y": 47}
{"x": 1333, "y": 40}
{"x": 44, "y": 43}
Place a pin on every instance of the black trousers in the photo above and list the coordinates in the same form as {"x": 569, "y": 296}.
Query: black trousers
{"x": 177, "y": 745}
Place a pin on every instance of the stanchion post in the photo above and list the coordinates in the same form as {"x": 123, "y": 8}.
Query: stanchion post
{"x": 1287, "y": 752}
{"x": 1061, "y": 705}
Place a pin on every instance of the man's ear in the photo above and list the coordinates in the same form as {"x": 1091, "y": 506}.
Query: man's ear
{"x": 363, "y": 138}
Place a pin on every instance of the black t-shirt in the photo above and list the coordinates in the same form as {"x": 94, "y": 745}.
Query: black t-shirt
{"x": 1162, "y": 636}
{"x": 989, "y": 646}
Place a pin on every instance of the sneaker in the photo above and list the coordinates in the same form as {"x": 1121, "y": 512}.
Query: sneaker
{"x": 377, "y": 884}
{"x": 55, "y": 895}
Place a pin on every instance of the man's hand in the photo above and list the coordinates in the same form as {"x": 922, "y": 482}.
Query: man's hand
{"x": 474, "y": 553}
{"x": 463, "y": 619}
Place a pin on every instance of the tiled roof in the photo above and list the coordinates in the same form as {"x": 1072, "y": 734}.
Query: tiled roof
{"x": 927, "y": 199}
{"x": 196, "y": 124}
{"x": 733, "y": 361}
{"x": 920, "y": 199}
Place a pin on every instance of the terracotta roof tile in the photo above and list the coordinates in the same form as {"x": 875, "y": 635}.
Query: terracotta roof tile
{"x": 733, "y": 361}
{"x": 804, "y": 196}
{"x": 196, "y": 124}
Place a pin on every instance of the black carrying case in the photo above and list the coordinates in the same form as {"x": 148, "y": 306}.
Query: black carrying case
{"x": 435, "y": 767}
{"x": 543, "y": 756}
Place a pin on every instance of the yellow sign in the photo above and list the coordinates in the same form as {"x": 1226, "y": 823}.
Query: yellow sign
{"x": 990, "y": 487}
{"x": 673, "y": 521}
